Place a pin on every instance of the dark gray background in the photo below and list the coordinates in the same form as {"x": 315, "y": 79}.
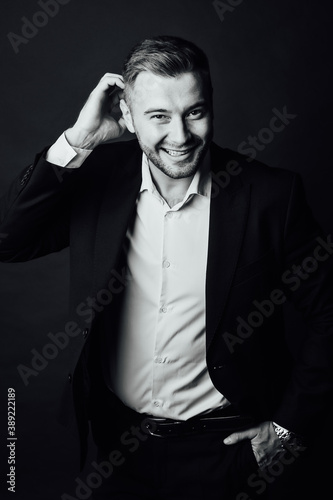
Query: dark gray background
{"x": 264, "y": 55}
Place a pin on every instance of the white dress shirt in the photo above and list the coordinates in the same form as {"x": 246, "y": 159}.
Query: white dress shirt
{"x": 158, "y": 359}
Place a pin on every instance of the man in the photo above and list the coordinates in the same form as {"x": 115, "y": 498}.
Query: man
{"x": 182, "y": 254}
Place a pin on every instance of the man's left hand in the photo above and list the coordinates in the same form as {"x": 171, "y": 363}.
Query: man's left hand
{"x": 265, "y": 443}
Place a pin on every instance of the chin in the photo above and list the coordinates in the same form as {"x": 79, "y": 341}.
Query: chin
{"x": 172, "y": 168}
{"x": 181, "y": 169}
{"x": 178, "y": 172}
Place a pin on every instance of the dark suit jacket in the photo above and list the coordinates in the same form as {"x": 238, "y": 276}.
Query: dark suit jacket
{"x": 260, "y": 227}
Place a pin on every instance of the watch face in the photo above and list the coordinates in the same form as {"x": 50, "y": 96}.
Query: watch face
{"x": 281, "y": 432}
{"x": 286, "y": 436}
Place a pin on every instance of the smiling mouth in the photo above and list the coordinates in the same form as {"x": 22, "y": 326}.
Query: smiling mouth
{"x": 175, "y": 152}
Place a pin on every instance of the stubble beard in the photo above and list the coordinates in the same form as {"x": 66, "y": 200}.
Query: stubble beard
{"x": 181, "y": 169}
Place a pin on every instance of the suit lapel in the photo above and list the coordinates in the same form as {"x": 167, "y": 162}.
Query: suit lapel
{"x": 116, "y": 210}
{"x": 228, "y": 216}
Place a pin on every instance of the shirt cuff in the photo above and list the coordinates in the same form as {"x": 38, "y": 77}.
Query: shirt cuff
{"x": 61, "y": 153}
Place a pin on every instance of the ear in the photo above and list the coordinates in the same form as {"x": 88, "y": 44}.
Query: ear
{"x": 127, "y": 116}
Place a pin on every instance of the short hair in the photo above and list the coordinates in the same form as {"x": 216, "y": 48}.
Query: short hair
{"x": 166, "y": 56}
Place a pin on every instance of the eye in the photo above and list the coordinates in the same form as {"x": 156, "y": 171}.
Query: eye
{"x": 159, "y": 117}
{"x": 196, "y": 113}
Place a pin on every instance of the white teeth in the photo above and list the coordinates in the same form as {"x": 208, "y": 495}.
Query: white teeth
{"x": 171, "y": 152}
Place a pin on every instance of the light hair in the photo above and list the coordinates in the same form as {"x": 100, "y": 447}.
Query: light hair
{"x": 166, "y": 56}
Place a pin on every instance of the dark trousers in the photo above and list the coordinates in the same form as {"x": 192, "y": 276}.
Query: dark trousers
{"x": 133, "y": 464}
{"x": 194, "y": 467}
{"x": 198, "y": 466}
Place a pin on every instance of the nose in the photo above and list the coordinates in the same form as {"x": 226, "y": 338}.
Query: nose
{"x": 179, "y": 132}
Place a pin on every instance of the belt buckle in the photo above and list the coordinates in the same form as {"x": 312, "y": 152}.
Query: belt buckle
{"x": 154, "y": 431}
{"x": 151, "y": 426}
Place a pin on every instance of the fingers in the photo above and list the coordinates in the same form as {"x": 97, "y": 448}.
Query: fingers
{"x": 112, "y": 75}
{"x": 110, "y": 90}
{"x": 115, "y": 96}
{"x": 240, "y": 436}
{"x": 106, "y": 95}
{"x": 110, "y": 80}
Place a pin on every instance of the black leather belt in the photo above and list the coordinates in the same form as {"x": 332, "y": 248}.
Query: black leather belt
{"x": 160, "y": 427}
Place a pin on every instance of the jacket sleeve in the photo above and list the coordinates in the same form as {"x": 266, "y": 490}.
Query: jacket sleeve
{"x": 308, "y": 283}
{"x": 35, "y": 212}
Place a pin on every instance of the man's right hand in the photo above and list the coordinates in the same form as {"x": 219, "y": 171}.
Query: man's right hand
{"x": 95, "y": 124}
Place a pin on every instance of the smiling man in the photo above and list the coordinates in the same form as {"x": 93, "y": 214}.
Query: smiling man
{"x": 188, "y": 394}
{"x": 172, "y": 119}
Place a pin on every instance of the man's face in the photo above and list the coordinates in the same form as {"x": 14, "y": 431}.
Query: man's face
{"x": 173, "y": 121}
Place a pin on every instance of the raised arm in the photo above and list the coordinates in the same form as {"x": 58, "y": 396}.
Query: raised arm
{"x": 35, "y": 212}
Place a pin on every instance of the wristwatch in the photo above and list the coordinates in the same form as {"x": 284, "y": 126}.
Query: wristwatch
{"x": 289, "y": 440}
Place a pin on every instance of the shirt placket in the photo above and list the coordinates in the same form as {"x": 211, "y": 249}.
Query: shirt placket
{"x": 160, "y": 360}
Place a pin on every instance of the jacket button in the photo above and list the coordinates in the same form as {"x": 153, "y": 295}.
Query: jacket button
{"x": 85, "y": 333}
{"x": 70, "y": 378}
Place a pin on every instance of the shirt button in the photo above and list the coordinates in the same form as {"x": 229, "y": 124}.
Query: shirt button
{"x": 163, "y": 309}
{"x": 169, "y": 215}
{"x": 157, "y": 404}
{"x": 158, "y": 360}
{"x": 166, "y": 264}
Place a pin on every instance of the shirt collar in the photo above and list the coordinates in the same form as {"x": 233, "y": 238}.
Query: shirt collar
{"x": 200, "y": 184}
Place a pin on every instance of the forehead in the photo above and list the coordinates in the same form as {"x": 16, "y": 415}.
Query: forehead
{"x": 167, "y": 92}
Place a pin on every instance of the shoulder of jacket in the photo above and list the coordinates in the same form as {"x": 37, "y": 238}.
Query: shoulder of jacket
{"x": 249, "y": 169}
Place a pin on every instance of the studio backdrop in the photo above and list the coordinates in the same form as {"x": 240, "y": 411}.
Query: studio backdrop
{"x": 270, "y": 64}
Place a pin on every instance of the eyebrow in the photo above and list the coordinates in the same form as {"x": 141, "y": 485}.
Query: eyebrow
{"x": 156, "y": 111}
{"x": 152, "y": 110}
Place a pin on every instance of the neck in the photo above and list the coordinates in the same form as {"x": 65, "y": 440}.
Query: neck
{"x": 171, "y": 190}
